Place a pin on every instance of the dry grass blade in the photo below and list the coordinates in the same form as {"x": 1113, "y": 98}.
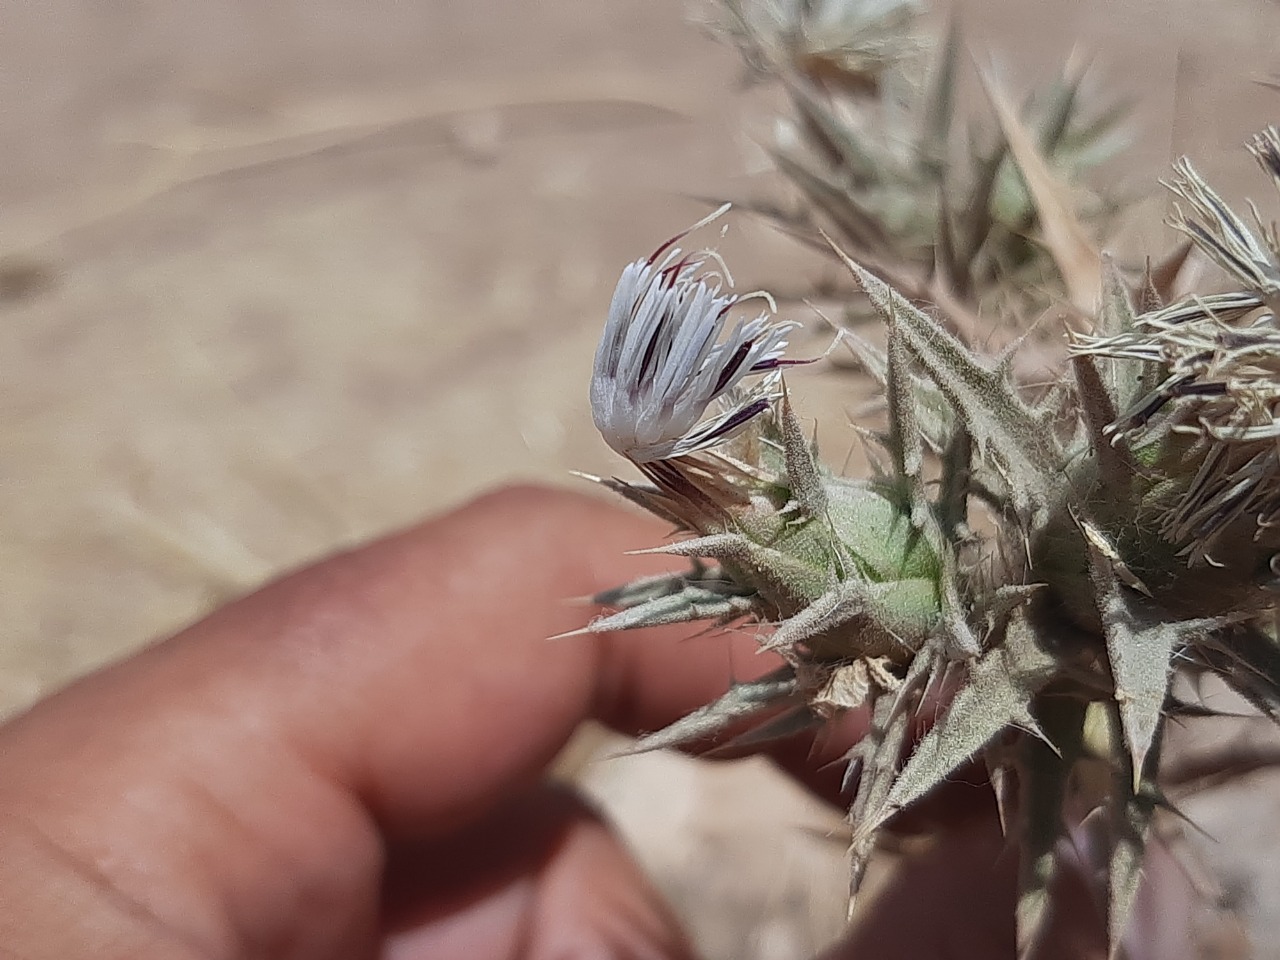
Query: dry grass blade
{"x": 1075, "y": 254}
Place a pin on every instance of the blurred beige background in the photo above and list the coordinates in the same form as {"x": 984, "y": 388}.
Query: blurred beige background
{"x": 276, "y": 277}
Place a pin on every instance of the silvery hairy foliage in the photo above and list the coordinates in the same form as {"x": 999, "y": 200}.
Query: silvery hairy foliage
{"x": 1131, "y": 534}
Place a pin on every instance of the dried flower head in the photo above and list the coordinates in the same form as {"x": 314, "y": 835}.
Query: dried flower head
{"x": 668, "y": 353}
{"x": 849, "y": 43}
{"x": 873, "y": 145}
{"x": 1223, "y": 235}
{"x": 1206, "y": 428}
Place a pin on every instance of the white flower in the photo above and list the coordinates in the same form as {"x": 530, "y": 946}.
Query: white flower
{"x": 665, "y": 358}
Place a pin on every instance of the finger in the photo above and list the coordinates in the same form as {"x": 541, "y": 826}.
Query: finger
{"x": 397, "y": 689}
{"x": 541, "y": 877}
{"x": 431, "y": 645}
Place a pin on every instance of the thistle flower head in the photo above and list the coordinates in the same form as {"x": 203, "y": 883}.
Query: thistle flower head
{"x": 1207, "y": 427}
{"x": 1136, "y": 535}
{"x": 1132, "y": 512}
{"x": 1213, "y": 418}
{"x": 670, "y": 351}
{"x": 851, "y": 42}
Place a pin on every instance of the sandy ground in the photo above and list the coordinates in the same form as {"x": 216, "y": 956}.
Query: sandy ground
{"x": 276, "y": 277}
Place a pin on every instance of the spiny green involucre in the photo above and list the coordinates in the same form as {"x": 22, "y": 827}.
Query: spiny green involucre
{"x": 1134, "y": 529}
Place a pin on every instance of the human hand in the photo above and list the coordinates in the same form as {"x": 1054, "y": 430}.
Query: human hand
{"x": 349, "y": 763}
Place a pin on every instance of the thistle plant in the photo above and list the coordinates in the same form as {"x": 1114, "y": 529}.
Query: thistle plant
{"x": 1134, "y": 532}
{"x": 871, "y": 146}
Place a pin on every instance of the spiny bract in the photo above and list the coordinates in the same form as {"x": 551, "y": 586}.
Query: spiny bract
{"x": 1135, "y": 516}
{"x": 871, "y": 148}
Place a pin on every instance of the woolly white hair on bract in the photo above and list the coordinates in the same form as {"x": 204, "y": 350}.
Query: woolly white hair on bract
{"x": 665, "y": 357}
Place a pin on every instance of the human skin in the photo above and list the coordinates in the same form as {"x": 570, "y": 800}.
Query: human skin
{"x": 350, "y": 763}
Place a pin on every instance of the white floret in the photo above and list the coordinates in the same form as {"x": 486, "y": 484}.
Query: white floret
{"x": 670, "y": 351}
